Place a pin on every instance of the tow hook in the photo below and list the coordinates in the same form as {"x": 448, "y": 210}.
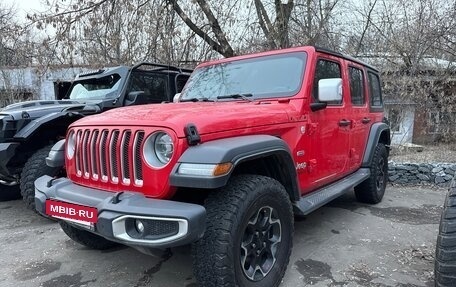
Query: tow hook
{"x": 116, "y": 198}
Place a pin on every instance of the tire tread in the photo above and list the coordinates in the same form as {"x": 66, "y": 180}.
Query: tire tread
{"x": 34, "y": 167}
{"x": 86, "y": 238}
{"x": 445, "y": 254}
{"x": 212, "y": 265}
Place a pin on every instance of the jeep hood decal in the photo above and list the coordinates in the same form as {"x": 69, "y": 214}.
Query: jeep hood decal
{"x": 208, "y": 117}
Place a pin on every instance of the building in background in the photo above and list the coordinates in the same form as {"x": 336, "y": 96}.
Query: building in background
{"x": 31, "y": 83}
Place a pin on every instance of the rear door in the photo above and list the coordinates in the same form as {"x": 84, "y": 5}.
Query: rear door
{"x": 359, "y": 114}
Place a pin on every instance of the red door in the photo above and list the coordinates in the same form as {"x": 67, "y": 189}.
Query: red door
{"x": 359, "y": 114}
{"x": 330, "y": 129}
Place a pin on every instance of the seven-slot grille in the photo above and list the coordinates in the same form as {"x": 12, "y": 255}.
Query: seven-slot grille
{"x": 107, "y": 155}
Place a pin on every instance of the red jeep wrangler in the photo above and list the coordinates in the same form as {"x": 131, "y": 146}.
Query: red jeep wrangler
{"x": 255, "y": 140}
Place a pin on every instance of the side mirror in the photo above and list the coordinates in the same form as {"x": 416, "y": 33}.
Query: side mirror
{"x": 133, "y": 96}
{"x": 176, "y": 98}
{"x": 330, "y": 90}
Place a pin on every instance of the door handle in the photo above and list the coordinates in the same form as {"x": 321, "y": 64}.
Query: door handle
{"x": 344, "y": 123}
{"x": 365, "y": 120}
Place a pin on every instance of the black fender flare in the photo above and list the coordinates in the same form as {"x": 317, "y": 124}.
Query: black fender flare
{"x": 35, "y": 125}
{"x": 378, "y": 132}
{"x": 235, "y": 150}
{"x": 56, "y": 157}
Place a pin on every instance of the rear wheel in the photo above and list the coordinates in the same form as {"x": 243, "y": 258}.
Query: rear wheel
{"x": 86, "y": 238}
{"x": 445, "y": 253}
{"x": 372, "y": 189}
{"x": 34, "y": 168}
{"x": 249, "y": 232}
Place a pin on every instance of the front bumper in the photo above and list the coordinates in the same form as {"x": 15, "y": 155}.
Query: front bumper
{"x": 115, "y": 217}
{"x": 7, "y": 152}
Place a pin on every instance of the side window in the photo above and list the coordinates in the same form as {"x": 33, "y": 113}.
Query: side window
{"x": 154, "y": 85}
{"x": 356, "y": 86}
{"x": 180, "y": 82}
{"x": 325, "y": 69}
{"x": 375, "y": 90}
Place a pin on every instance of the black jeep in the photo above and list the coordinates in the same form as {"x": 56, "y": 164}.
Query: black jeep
{"x": 28, "y": 130}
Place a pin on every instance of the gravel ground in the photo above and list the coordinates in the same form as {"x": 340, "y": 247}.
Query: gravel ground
{"x": 342, "y": 244}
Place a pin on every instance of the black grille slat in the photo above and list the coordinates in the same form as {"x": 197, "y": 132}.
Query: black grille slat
{"x": 113, "y": 156}
{"x": 103, "y": 164}
{"x": 85, "y": 151}
{"x": 137, "y": 156}
{"x": 78, "y": 157}
{"x": 93, "y": 153}
{"x": 125, "y": 156}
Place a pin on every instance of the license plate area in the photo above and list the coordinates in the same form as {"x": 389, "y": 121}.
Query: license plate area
{"x": 80, "y": 214}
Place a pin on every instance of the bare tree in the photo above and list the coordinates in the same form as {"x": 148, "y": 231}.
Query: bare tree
{"x": 114, "y": 32}
{"x": 312, "y": 23}
{"x": 412, "y": 42}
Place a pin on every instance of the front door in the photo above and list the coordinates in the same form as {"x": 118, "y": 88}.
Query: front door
{"x": 331, "y": 129}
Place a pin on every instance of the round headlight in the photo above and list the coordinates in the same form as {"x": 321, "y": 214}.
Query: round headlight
{"x": 163, "y": 147}
{"x": 71, "y": 144}
{"x": 158, "y": 149}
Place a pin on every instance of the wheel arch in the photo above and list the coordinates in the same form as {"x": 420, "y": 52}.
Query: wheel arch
{"x": 44, "y": 131}
{"x": 379, "y": 133}
{"x": 256, "y": 154}
{"x": 41, "y": 128}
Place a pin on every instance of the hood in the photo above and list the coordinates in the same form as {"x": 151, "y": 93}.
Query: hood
{"x": 39, "y": 108}
{"x": 209, "y": 117}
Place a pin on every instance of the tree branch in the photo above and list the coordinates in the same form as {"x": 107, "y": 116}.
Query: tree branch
{"x": 265, "y": 24}
{"x": 366, "y": 27}
{"x": 216, "y": 29}
{"x": 213, "y": 44}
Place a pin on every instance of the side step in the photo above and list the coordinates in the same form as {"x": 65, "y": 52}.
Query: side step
{"x": 320, "y": 197}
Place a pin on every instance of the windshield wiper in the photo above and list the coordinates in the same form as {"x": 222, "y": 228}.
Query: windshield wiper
{"x": 236, "y": 96}
{"x": 204, "y": 99}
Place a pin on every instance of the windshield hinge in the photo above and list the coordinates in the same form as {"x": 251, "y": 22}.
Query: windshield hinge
{"x": 193, "y": 137}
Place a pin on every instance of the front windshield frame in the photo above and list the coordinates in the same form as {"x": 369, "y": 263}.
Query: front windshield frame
{"x": 258, "y": 77}
{"x": 102, "y": 87}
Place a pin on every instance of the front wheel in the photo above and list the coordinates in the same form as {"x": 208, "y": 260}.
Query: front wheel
{"x": 445, "y": 253}
{"x": 249, "y": 232}
{"x": 86, "y": 238}
{"x": 372, "y": 189}
{"x": 34, "y": 168}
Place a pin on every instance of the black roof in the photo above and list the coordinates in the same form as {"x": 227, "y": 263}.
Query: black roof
{"x": 338, "y": 54}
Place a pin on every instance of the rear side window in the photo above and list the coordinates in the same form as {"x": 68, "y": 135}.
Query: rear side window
{"x": 375, "y": 90}
{"x": 325, "y": 70}
{"x": 356, "y": 86}
{"x": 154, "y": 86}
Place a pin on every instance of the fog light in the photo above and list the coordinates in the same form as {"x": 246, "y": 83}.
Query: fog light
{"x": 139, "y": 226}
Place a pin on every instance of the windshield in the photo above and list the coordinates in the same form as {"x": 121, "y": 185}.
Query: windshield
{"x": 263, "y": 77}
{"x": 95, "y": 88}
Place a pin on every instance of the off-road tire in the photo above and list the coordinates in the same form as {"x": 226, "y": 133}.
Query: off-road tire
{"x": 34, "y": 168}
{"x": 86, "y": 238}
{"x": 232, "y": 215}
{"x": 9, "y": 192}
{"x": 445, "y": 253}
{"x": 372, "y": 189}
